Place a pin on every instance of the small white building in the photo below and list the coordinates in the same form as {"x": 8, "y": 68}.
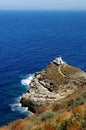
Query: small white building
{"x": 58, "y": 60}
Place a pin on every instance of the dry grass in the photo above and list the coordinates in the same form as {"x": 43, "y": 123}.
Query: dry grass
{"x": 16, "y": 125}
{"x": 78, "y": 92}
{"x": 75, "y": 126}
{"x": 67, "y": 121}
{"x": 52, "y": 74}
{"x": 58, "y": 118}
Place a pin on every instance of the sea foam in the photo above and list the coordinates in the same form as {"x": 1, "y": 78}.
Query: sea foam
{"x": 16, "y": 107}
{"x": 26, "y": 81}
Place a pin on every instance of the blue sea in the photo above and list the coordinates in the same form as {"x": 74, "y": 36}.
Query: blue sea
{"x": 29, "y": 40}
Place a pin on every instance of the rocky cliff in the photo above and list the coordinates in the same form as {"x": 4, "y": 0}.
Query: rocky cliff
{"x": 58, "y": 96}
{"x": 53, "y": 83}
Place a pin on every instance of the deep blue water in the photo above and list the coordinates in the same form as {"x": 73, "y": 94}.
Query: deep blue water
{"x": 29, "y": 40}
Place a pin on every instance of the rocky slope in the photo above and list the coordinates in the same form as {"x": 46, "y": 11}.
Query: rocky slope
{"x": 52, "y": 84}
{"x": 58, "y": 96}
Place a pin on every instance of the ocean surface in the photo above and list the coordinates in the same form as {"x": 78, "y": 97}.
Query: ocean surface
{"x": 29, "y": 40}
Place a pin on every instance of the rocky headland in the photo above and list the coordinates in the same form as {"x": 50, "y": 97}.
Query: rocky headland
{"x": 57, "y": 96}
{"x": 55, "y": 82}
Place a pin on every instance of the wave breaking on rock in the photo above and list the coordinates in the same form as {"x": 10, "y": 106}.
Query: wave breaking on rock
{"x": 52, "y": 84}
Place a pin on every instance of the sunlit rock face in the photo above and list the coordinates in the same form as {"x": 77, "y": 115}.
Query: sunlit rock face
{"x": 53, "y": 83}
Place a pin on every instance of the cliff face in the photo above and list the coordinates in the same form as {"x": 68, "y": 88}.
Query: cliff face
{"x": 53, "y": 83}
{"x": 58, "y": 96}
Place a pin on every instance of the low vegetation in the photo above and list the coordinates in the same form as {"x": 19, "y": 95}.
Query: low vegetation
{"x": 64, "y": 115}
{"x": 67, "y": 114}
{"x": 79, "y": 100}
{"x": 51, "y": 121}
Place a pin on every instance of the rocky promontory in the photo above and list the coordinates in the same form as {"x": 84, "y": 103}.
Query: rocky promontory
{"x": 54, "y": 83}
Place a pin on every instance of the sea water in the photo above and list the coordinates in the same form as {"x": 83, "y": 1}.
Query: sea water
{"x": 29, "y": 40}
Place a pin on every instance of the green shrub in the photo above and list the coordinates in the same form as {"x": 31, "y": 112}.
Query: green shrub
{"x": 81, "y": 99}
{"x": 84, "y": 94}
{"x": 64, "y": 125}
{"x": 47, "y": 115}
{"x": 44, "y": 116}
{"x": 83, "y": 124}
{"x": 70, "y": 102}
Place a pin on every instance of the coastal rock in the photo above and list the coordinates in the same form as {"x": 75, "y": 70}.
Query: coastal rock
{"x": 53, "y": 83}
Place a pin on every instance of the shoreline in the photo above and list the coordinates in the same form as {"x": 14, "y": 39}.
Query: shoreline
{"x": 52, "y": 84}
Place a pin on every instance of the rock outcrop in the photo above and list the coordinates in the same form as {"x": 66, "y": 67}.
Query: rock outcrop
{"x": 53, "y": 83}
